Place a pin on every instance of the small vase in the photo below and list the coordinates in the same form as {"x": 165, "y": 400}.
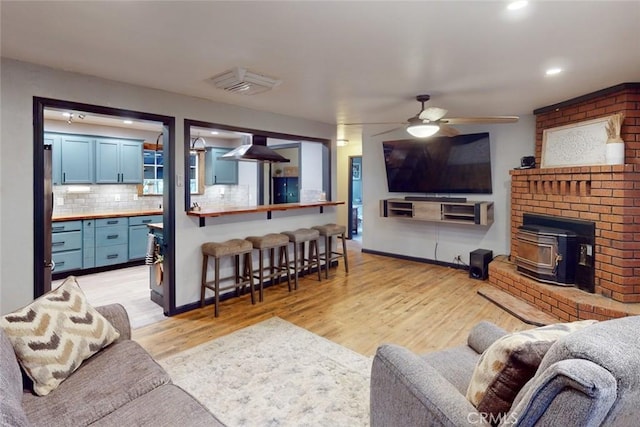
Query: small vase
{"x": 615, "y": 153}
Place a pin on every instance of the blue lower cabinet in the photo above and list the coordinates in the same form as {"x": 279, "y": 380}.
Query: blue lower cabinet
{"x": 88, "y": 243}
{"x": 109, "y": 255}
{"x": 66, "y": 245}
{"x": 66, "y": 261}
{"x": 138, "y": 232}
{"x": 112, "y": 241}
{"x": 138, "y": 241}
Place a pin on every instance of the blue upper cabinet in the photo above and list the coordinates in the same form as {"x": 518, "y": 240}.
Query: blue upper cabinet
{"x": 118, "y": 161}
{"x": 220, "y": 171}
{"x": 56, "y": 166}
{"x": 76, "y": 159}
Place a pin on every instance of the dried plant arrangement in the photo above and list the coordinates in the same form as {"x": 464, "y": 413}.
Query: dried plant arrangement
{"x": 613, "y": 127}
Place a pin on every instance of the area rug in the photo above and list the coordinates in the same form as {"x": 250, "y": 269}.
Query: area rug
{"x": 276, "y": 374}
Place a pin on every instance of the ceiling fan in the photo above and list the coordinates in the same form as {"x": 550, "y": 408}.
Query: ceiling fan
{"x": 431, "y": 120}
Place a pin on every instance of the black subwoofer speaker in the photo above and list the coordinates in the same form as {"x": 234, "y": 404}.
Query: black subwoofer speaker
{"x": 479, "y": 263}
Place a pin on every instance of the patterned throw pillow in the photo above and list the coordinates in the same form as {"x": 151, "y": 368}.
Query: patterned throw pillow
{"x": 54, "y": 334}
{"x": 506, "y": 366}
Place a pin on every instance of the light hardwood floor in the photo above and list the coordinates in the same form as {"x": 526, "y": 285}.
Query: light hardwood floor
{"x": 127, "y": 286}
{"x": 421, "y": 306}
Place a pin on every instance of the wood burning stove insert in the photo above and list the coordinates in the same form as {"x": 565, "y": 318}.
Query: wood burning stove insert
{"x": 557, "y": 250}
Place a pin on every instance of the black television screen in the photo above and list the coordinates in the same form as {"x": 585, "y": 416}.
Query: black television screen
{"x": 459, "y": 164}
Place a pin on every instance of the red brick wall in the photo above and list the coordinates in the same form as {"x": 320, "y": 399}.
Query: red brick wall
{"x": 625, "y": 100}
{"x": 606, "y": 195}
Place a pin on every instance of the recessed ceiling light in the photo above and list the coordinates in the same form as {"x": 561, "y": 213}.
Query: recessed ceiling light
{"x": 127, "y": 122}
{"x": 552, "y": 71}
{"x": 66, "y": 114}
{"x": 214, "y": 132}
{"x": 515, "y": 5}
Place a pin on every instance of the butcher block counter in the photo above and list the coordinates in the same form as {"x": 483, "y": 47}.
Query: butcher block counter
{"x": 110, "y": 214}
{"x": 235, "y": 210}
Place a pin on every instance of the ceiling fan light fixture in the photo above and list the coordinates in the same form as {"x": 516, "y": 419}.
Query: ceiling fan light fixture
{"x": 423, "y": 130}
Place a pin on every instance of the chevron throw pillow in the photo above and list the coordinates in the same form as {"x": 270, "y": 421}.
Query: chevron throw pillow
{"x": 54, "y": 334}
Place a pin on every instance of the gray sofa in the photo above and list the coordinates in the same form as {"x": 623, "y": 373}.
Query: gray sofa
{"x": 119, "y": 386}
{"x": 588, "y": 378}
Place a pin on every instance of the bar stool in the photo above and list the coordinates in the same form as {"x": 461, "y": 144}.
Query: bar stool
{"x": 271, "y": 242}
{"x": 218, "y": 250}
{"x": 301, "y": 263}
{"x": 328, "y": 231}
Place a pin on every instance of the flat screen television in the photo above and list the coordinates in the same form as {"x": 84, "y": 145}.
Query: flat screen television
{"x": 458, "y": 164}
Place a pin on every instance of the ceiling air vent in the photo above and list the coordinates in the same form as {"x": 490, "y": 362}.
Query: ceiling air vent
{"x": 239, "y": 80}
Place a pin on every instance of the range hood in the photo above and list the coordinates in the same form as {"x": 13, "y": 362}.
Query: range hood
{"x": 257, "y": 151}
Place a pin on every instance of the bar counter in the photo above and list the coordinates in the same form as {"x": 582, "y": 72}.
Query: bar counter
{"x": 235, "y": 210}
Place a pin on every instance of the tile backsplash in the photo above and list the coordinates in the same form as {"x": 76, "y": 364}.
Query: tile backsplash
{"x": 69, "y": 199}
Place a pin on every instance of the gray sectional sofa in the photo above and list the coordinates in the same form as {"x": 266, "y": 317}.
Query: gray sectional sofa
{"x": 590, "y": 377}
{"x": 119, "y": 386}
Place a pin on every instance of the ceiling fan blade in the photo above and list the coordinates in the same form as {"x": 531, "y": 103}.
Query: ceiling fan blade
{"x": 446, "y": 130}
{"x": 386, "y": 131}
{"x": 371, "y": 123}
{"x": 432, "y": 113}
{"x": 474, "y": 120}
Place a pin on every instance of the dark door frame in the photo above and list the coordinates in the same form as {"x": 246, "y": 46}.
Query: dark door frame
{"x": 350, "y": 195}
{"x": 169, "y": 196}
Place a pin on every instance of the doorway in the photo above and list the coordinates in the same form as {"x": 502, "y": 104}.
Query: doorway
{"x": 44, "y": 194}
{"x": 355, "y": 198}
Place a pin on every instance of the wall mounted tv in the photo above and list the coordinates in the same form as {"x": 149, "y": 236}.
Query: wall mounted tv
{"x": 458, "y": 164}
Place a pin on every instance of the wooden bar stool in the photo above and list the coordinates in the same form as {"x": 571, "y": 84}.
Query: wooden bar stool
{"x": 218, "y": 250}
{"x": 301, "y": 263}
{"x": 271, "y": 242}
{"x": 328, "y": 231}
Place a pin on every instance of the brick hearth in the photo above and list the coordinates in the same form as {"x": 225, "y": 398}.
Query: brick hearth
{"x": 607, "y": 195}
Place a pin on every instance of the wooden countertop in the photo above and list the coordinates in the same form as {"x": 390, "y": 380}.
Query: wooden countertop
{"x": 156, "y": 226}
{"x": 116, "y": 214}
{"x": 234, "y": 210}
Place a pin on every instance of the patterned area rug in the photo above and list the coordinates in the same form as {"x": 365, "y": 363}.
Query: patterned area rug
{"x": 276, "y": 374}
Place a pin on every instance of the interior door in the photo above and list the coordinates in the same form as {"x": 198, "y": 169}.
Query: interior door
{"x": 48, "y": 213}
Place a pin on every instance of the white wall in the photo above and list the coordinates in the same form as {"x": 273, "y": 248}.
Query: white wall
{"x": 442, "y": 242}
{"x": 311, "y": 170}
{"x": 22, "y": 81}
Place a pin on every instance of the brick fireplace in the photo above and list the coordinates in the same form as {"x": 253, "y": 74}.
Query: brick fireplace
{"x": 608, "y": 196}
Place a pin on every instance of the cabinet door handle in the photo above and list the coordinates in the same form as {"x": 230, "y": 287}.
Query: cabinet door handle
{"x": 64, "y": 177}
{"x": 112, "y": 236}
{"x": 58, "y": 243}
{"x": 60, "y": 263}
{"x": 113, "y": 221}
{"x": 146, "y": 221}
{"x": 58, "y": 228}
{"x": 112, "y": 256}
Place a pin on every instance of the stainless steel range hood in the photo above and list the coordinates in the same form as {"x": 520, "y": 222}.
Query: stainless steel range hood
{"x": 257, "y": 151}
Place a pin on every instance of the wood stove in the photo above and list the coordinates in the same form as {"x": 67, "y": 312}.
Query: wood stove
{"x": 557, "y": 250}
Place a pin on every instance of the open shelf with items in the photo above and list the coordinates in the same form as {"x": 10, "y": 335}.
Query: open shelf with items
{"x": 470, "y": 212}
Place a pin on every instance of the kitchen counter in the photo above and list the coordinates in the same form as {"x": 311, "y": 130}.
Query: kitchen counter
{"x": 156, "y": 226}
{"x": 235, "y": 210}
{"x": 111, "y": 214}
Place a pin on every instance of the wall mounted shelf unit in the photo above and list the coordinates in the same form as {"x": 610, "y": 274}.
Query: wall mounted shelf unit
{"x": 470, "y": 212}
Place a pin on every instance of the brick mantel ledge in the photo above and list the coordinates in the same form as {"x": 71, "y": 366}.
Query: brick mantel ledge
{"x": 566, "y": 303}
{"x": 578, "y": 169}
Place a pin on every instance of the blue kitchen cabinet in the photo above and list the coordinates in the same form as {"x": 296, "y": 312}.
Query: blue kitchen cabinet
{"x": 66, "y": 245}
{"x": 76, "y": 159}
{"x": 138, "y": 231}
{"x": 88, "y": 243}
{"x": 118, "y": 161}
{"x": 56, "y": 160}
{"x": 112, "y": 241}
{"x": 220, "y": 171}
